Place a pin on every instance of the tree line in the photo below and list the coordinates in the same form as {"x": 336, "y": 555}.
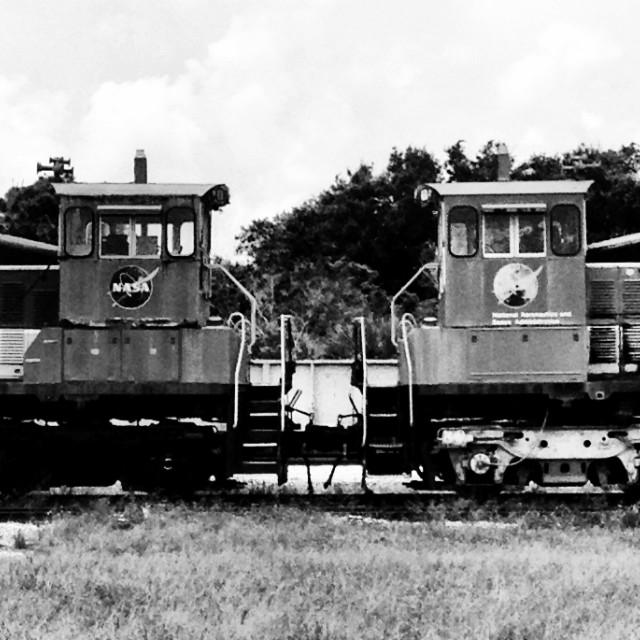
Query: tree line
{"x": 345, "y": 252}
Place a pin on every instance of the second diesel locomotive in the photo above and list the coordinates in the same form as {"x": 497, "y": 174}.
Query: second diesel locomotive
{"x": 529, "y": 372}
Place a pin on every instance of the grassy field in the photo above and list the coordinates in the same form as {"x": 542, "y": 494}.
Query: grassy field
{"x": 280, "y": 573}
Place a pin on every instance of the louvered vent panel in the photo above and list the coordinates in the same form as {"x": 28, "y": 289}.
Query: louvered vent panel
{"x": 604, "y": 344}
{"x": 602, "y": 297}
{"x": 631, "y": 296}
{"x": 631, "y": 337}
{"x": 12, "y": 346}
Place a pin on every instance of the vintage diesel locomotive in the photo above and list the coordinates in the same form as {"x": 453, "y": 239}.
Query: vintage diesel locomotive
{"x": 128, "y": 375}
{"x": 115, "y": 366}
{"x": 529, "y": 373}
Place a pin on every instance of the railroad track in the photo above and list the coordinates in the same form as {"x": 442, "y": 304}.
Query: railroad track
{"x": 23, "y": 514}
{"x": 421, "y": 506}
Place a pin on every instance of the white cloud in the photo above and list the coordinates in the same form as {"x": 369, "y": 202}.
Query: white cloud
{"x": 273, "y": 112}
{"x": 152, "y": 114}
{"x": 564, "y": 53}
{"x": 591, "y": 121}
{"x": 32, "y": 123}
{"x": 276, "y": 98}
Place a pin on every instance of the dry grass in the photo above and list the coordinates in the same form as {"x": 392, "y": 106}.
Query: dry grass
{"x": 279, "y": 573}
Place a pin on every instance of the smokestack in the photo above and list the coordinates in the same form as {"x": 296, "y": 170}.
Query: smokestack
{"x": 140, "y": 167}
{"x": 504, "y": 163}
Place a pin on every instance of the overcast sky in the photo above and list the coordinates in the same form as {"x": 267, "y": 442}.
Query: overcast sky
{"x": 277, "y": 97}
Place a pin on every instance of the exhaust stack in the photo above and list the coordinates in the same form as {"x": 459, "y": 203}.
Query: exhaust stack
{"x": 140, "y": 167}
{"x": 504, "y": 163}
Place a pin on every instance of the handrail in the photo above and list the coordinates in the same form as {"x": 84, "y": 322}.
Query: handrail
{"x": 414, "y": 277}
{"x": 236, "y": 378}
{"x": 404, "y": 322}
{"x": 247, "y": 294}
{"x": 284, "y": 319}
{"x": 365, "y": 380}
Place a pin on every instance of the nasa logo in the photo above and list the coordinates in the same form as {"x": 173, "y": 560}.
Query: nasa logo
{"x": 131, "y": 286}
{"x": 516, "y": 285}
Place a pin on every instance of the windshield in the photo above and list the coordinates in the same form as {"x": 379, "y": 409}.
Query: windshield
{"x": 514, "y": 235}
{"x": 128, "y": 235}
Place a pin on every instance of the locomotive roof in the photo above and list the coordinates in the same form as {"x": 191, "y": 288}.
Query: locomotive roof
{"x": 98, "y": 189}
{"x": 24, "y": 244}
{"x": 511, "y": 188}
{"x": 629, "y": 240}
{"x": 21, "y": 251}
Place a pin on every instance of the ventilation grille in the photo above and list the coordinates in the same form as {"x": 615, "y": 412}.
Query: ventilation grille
{"x": 12, "y": 346}
{"x": 602, "y": 297}
{"x": 631, "y": 296}
{"x": 631, "y": 341}
{"x": 604, "y": 344}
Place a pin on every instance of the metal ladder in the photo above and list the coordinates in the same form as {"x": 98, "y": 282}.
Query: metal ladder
{"x": 383, "y": 450}
{"x": 263, "y": 439}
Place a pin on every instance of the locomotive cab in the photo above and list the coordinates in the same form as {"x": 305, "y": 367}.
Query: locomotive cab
{"x": 511, "y": 288}
{"x": 135, "y": 253}
{"x": 135, "y": 300}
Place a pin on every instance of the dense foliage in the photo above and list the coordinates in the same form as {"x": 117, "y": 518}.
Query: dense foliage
{"x": 32, "y": 212}
{"x": 343, "y": 253}
{"x": 364, "y": 219}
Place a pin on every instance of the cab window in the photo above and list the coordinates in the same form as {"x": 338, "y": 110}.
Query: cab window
{"x": 180, "y": 231}
{"x": 530, "y": 228}
{"x": 124, "y": 235}
{"x": 463, "y": 231}
{"x": 497, "y": 234}
{"x": 521, "y": 234}
{"x": 565, "y": 230}
{"x": 78, "y": 231}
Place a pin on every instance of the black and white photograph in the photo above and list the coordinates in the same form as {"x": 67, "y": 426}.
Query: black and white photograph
{"x": 319, "y": 320}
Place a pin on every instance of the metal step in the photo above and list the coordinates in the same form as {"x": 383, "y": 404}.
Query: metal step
{"x": 263, "y": 423}
{"x": 261, "y": 435}
{"x": 385, "y": 458}
{"x": 260, "y": 445}
{"x": 386, "y": 446}
{"x": 258, "y": 466}
{"x": 320, "y": 458}
{"x": 382, "y": 427}
{"x": 264, "y": 393}
{"x": 264, "y": 406}
{"x": 263, "y": 451}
